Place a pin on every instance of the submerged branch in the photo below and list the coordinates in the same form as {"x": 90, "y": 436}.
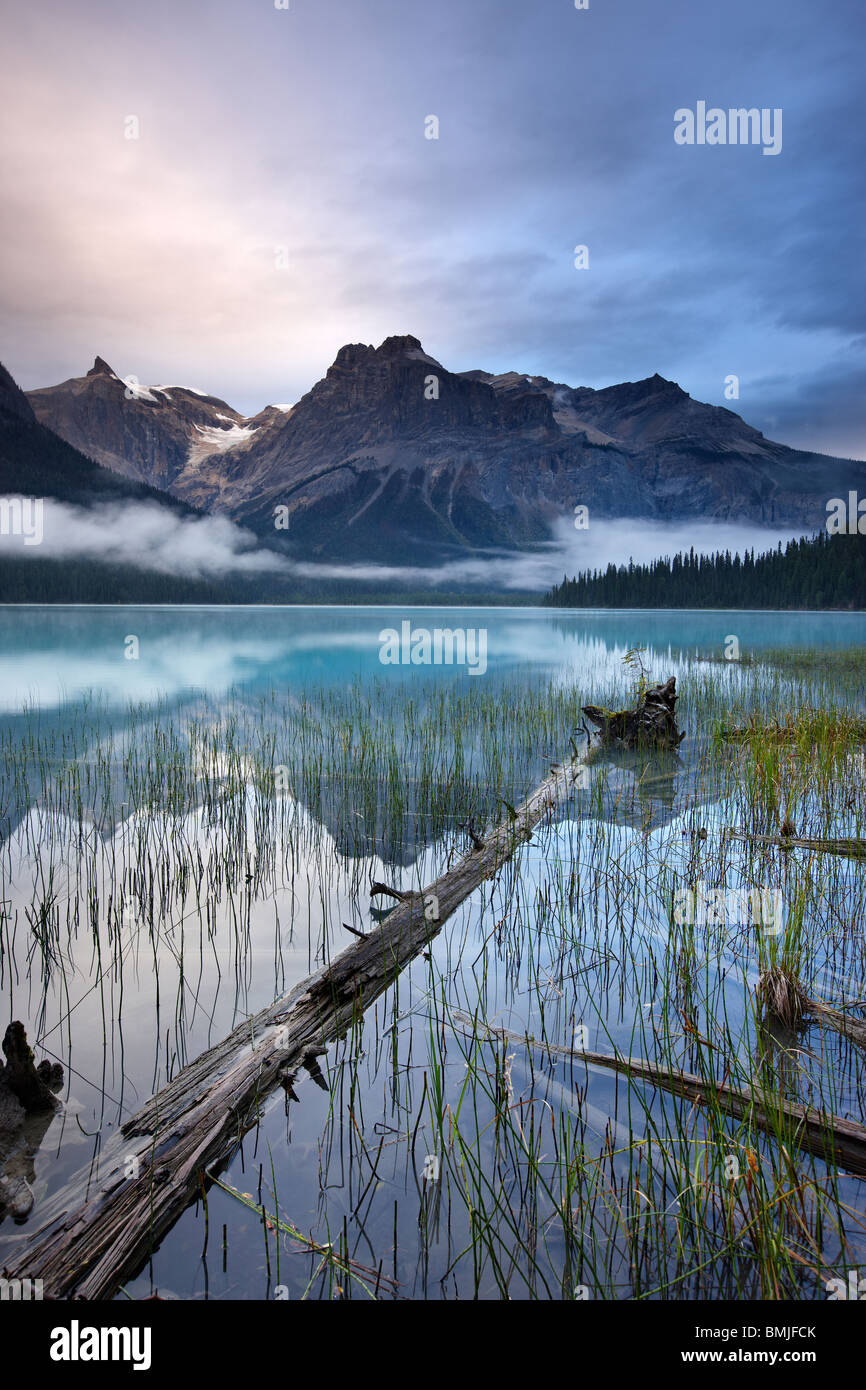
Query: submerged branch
{"x": 852, "y": 847}
{"x": 830, "y": 1137}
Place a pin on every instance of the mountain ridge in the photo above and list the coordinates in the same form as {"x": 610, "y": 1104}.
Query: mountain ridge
{"x": 392, "y": 456}
{"x": 36, "y": 461}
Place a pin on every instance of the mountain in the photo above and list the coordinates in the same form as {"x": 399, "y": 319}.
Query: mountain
{"x": 36, "y": 462}
{"x": 159, "y": 435}
{"x": 393, "y": 457}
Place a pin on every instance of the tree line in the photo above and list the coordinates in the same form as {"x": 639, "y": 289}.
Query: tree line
{"x": 821, "y": 571}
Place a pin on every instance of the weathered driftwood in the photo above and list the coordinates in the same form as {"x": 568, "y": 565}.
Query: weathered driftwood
{"x": 784, "y": 998}
{"x": 27, "y": 1107}
{"x": 852, "y": 847}
{"x": 854, "y": 1029}
{"x": 651, "y": 724}
{"x": 99, "y": 1228}
{"x": 830, "y": 1137}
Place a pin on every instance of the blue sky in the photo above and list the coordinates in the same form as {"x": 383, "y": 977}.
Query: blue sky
{"x": 298, "y": 136}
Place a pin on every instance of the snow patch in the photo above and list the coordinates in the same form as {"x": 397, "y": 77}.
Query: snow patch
{"x": 136, "y": 391}
{"x": 192, "y": 389}
{"x": 140, "y": 392}
{"x": 215, "y": 440}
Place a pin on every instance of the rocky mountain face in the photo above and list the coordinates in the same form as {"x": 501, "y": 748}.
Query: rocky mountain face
{"x": 36, "y": 462}
{"x": 159, "y": 435}
{"x": 391, "y": 457}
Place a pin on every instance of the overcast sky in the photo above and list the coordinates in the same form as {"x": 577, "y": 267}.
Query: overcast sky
{"x": 304, "y": 129}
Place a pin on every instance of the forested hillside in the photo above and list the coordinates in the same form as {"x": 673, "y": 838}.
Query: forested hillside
{"x": 814, "y": 572}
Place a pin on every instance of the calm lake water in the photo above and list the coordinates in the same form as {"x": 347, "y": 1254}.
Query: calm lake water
{"x": 139, "y": 927}
{"x": 49, "y": 654}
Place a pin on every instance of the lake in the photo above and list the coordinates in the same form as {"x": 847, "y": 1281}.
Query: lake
{"x": 194, "y": 804}
{"x": 50, "y": 653}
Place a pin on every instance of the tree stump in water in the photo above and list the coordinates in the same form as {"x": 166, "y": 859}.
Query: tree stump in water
{"x": 32, "y": 1086}
{"x": 651, "y": 724}
{"x": 27, "y": 1107}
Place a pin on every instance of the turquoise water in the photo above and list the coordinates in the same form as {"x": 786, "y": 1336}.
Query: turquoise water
{"x": 48, "y": 654}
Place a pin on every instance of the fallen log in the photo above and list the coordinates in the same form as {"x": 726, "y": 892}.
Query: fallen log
{"x": 651, "y": 724}
{"x": 851, "y": 846}
{"x": 786, "y": 999}
{"x": 854, "y": 1029}
{"x": 99, "y": 1228}
{"x": 826, "y": 1136}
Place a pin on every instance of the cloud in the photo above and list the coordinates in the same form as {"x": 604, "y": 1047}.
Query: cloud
{"x": 824, "y": 413}
{"x": 304, "y": 128}
{"x": 150, "y": 537}
{"x": 569, "y": 552}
